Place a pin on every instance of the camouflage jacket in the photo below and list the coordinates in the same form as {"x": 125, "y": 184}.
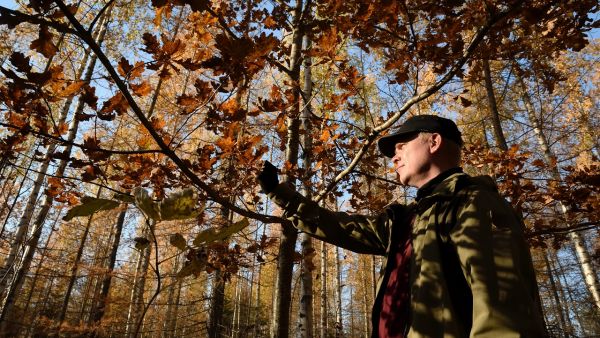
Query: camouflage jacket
{"x": 471, "y": 273}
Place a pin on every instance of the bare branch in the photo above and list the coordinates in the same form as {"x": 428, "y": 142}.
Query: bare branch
{"x": 9, "y": 16}
{"x": 577, "y": 227}
{"x": 79, "y": 145}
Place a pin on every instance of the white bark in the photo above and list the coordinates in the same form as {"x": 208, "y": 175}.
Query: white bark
{"x": 589, "y": 275}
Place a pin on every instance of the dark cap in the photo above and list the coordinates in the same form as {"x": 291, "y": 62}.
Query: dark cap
{"x": 420, "y": 123}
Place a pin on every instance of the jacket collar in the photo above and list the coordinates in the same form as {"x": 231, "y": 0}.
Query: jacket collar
{"x": 445, "y": 190}
{"x": 452, "y": 184}
{"x": 431, "y": 186}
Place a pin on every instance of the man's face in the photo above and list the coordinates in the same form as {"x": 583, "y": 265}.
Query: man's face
{"x": 412, "y": 160}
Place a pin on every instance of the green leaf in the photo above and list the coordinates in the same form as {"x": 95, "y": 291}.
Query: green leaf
{"x": 212, "y": 234}
{"x": 89, "y": 205}
{"x": 145, "y": 203}
{"x": 179, "y": 205}
{"x": 178, "y": 241}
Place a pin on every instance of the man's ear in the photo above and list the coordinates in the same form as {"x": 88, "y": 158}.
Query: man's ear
{"x": 435, "y": 143}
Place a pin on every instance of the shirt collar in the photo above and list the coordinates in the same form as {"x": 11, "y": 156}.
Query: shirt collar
{"x": 428, "y": 187}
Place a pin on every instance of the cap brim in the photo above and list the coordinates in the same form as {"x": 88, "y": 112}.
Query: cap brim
{"x": 387, "y": 144}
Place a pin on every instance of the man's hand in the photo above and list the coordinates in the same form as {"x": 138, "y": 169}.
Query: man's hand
{"x": 268, "y": 178}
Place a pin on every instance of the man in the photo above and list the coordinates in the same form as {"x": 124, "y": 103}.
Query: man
{"x": 456, "y": 265}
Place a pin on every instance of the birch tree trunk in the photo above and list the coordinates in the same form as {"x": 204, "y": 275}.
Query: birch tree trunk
{"x": 324, "y": 307}
{"x": 283, "y": 288}
{"x": 339, "y": 326}
{"x": 589, "y": 274}
{"x": 15, "y": 286}
{"x": 18, "y": 243}
{"x": 305, "y": 320}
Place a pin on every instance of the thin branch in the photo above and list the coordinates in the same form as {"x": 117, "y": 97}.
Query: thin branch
{"x": 91, "y": 27}
{"x": 377, "y": 177}
{"x": 8, "y": 16}
{"x": 82, "y": 146}
{"x": 70, "y": 178}
{"x": 577, "y": 227}
{"x": 158, "y": 279}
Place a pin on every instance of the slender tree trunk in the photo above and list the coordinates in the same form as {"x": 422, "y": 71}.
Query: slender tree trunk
{"x": 93, "y": 283}
{"x": 136, "y": 304}
{"x": 74, "y": 268}
{"x": 99, "y": 308}
{"x": 31, "y": 245}
{"x": 171, "y": 305}
{"x": 36, "y": 276}
{"x": 589, "y": 274}
{"x": 258, "y": 306}
{"x": 324, "y": 307}
{"x": 174, "y": 322}
{"x": 305, "y": 320}
{"x": 496, "y": 125}
{"x": 569, "y": 330}
{"x": 561, "y": 272}
{"x": 282, "y": 298}
{"x": 15, "y": 200}
{"x": 216, "y": 305}
{"x": 339, "y": 326}
{"x": 237, "y": 307}
{"x": 559, "y": 308}
{"x": 352, "y": 314}
{"x": 366, "y": 286}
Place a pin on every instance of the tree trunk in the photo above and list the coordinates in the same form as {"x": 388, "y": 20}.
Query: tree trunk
{"x": 99, "y": 308}
{"x": 559, "y": 309}
{"x": 366, "y": 287}
{"x": 168, "y": 330}
{"x": 285, "y": 262}
{"x": 496, "y": 125}
{"x": 324, "y": 307}
{"x": 17, "y": 281}
{"x": 256, "y": 322}
{"x": 74, "y": 268}
{"x": 305, "y": 320}
{"x": 20, "y": 236}
{"x": 136, "y": 304}
{"x": 16, "y": 199}
{"x": 36, "y": 276}
{"x": 339, "y": 326}
{"x": 589, "y": 275}
{"x": 216, "y": 305}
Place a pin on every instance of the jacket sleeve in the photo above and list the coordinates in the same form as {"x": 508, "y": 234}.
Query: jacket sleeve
{"x": 497, "y": 266}
{"x": 358, "y": 233}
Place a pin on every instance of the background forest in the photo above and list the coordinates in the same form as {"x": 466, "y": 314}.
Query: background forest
{"x": 131, "y": 133}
